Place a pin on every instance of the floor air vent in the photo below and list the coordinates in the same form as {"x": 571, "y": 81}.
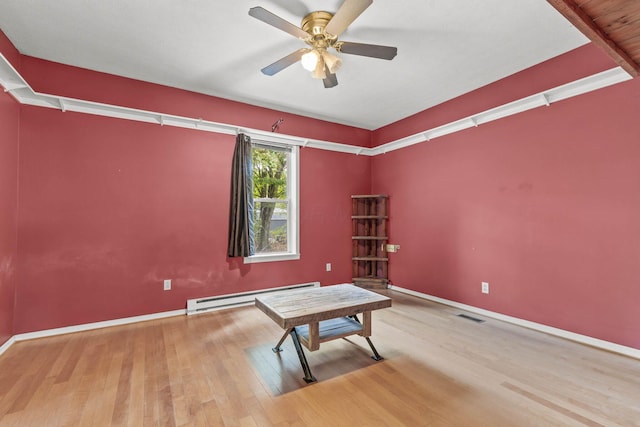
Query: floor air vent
{"x": 474, "y": 319}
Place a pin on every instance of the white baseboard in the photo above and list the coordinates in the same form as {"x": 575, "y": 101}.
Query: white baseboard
{"x": 117, "y": 322}
{"x": 583, "y": 339}
{"x": 97, "y": 325}
{"x": 4, "y": 347}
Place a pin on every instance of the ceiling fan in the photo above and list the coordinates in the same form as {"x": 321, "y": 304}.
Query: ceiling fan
{"x": 320, "y": 30}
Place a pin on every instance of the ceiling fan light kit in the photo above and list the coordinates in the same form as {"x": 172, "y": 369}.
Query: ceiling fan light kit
{"x": 317, "y": 60}
{"x": 319, "y": 71}
{"x": 332, "y": 62}
{"x": 321, "y": 30}
{"x": 309, "y": 60}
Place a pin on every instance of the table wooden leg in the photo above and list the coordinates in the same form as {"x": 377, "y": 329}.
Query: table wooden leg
{"x": 308, "y": 377}
{"x": 366, "y": 324}
{"x": 314, "y": 336}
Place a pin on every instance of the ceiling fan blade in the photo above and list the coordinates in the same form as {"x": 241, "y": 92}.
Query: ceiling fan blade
{"x": 274, "y": 20}
{"x": 371, "y": 50}
{"x": 283, "y": 63}
{"x": 331, "y": 80}
{"x": 347, "y": 13}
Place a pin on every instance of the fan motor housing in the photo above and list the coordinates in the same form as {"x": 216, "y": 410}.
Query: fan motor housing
{"x": 315, "y": 22}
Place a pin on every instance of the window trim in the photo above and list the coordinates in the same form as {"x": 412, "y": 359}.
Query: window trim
{"x": 293, "y": 225}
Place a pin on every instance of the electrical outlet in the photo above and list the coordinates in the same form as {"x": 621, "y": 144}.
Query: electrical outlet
{"x": 328, "y": 266}
{"x": 167, "y": 284}
{"x": 485, "y": 287}
{"x": 392, "y": 248}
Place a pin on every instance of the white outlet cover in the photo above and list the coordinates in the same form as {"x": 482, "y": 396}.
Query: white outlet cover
{"x": 167, "y": 284}
{"x": 328, "y": 266}
{"x": 485, "y": 287}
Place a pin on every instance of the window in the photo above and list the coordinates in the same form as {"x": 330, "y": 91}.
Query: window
{"x": 275, "y": 200}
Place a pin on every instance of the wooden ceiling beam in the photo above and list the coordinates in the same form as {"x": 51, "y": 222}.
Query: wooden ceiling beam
{"x": 583, "y": 22}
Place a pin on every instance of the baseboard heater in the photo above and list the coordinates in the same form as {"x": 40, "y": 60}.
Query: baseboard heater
{"x": 202, "y": 305}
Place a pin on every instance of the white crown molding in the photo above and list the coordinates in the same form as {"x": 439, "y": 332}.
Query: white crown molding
{"x": 582, "y": 339}
{"x": 545, "y": 98}
{"x": 15, "y": 84}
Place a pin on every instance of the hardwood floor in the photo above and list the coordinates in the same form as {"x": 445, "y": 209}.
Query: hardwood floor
{"x": 217, "y": 369}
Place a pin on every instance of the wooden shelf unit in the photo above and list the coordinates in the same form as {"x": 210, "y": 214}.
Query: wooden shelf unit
{"x": 369, "y": 237}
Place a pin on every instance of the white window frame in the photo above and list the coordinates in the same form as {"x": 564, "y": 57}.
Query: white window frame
{"x": 293, "y": 210}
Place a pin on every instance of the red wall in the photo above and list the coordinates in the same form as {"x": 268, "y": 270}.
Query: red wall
{"x": 9, "y": 138}
{"x": 543, "y": 205}
{"x": 109, "y": 208}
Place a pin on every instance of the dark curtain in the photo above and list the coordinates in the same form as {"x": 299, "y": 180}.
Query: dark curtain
{"x": 241, "y": 241}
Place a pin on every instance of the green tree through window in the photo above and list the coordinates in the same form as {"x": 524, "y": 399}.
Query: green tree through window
{"x": 271, "y": 198}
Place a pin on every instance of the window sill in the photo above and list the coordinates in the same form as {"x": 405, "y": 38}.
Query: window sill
{"x": 271, "y": 258}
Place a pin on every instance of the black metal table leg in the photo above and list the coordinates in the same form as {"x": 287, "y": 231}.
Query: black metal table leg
{"x": 277, "y": 348}
{"x": 376, "y": 356}
{"x": 308, "y": 377}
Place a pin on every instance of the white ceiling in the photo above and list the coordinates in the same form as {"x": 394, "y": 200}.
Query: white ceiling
{"x": 445, "y": 48}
